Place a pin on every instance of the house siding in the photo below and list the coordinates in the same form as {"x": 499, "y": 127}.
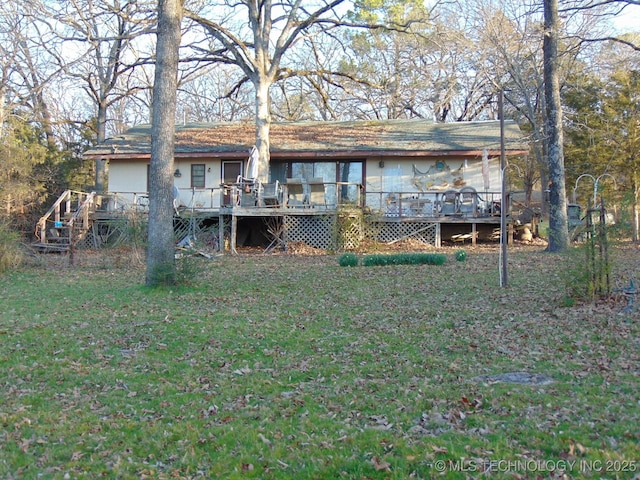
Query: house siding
{"x": 128, "y": 180}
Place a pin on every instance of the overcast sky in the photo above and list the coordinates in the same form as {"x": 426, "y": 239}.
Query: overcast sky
{"x": 629, "y": 20}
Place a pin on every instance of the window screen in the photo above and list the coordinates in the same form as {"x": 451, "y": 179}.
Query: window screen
{"x": 197, "y": 176}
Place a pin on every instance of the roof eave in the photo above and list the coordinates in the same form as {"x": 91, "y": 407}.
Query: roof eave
{"x": 314, "y": 154}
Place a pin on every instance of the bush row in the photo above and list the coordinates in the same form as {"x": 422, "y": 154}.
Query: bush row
{"x": 352, "y": 260}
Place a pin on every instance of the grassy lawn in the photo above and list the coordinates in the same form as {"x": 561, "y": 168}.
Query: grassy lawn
{"x": 291, "y": 366}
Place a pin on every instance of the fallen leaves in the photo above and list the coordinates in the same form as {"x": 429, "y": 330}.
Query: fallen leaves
{"x": 473, "y": 404}
{"x": 380, "y": 465}
{"x": 576, "y": 449}
{"x": 77, "y": 456}
{"x": 380, "y": 422}
{"x": 316, "y": 370}
{"x": 264, "y": 439}
{"x": 242, "y": 371}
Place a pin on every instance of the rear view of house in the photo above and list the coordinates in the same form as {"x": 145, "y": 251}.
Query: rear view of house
{"x": 396, "y": 178}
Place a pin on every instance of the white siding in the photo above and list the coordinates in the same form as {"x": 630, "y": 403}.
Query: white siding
{"x": 128, "y": 180}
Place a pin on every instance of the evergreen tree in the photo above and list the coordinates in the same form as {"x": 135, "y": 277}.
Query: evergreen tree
{"x": 604, "y": 135}
{"x": 23, "y": 153}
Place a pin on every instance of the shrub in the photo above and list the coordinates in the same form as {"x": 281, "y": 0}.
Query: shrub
{"x": 404, "y": 259}
{"x": 461, "y": 255}
{"x": 348, "y": 260}
{"x": 10, "y": 252}
{"x": 587, "y": 272}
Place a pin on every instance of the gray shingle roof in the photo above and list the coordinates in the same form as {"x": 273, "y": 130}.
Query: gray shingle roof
{"x": 326, "y": 138}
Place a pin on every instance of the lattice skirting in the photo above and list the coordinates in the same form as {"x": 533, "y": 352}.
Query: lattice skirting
{"x": 351, "y": 230}
{"x": 109, "y": 233}
{"x": 315, "y": 231}
{"x": 386, "y": 232}
{"x": 113, "y": 232}
{"x": 89, "y": 241}
{"x": 319, "y": 231}
{"x": 322, "y": 232}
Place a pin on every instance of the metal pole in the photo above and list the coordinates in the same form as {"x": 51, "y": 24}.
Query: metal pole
{"x": 503, "y": 199}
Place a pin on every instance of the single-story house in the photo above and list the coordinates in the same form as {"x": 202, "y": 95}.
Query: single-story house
{"x": 409, "y": 173}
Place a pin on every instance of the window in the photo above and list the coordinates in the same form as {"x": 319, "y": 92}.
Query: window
{"x": 197, "y": 175}
{"x": 343, "y": 179}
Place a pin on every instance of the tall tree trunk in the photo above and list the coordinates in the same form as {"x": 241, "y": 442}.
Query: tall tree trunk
{"x": 263, "y": 124}
{"x": 161, "y": 245}
{"x": 558, "y": 229}
{"x": 3, "y": 96}
{"x": 542, "y": 155}
{"x": 634, "y": 209}
{"x": 102, "y": 166}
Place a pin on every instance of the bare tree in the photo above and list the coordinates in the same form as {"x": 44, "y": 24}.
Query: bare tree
{"x": 26, "y": 69}
{"x": 511, "y": 45}
{"x": 7, "y": 58}
{"x": 314, "y": 88}
{"x": 161, "y": 249}
{"x": 384, "y": 70}
{"x": 273, "y": 31}
{"x": 217, "y": 94}
{"x": 101, "y": 35}
{"x": 558, "y": 229}
{"x": 603, "y": 9}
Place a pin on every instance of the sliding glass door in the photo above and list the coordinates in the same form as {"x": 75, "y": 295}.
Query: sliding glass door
{"x": 343, "y": 179}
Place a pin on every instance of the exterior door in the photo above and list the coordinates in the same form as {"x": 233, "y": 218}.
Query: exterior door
{"x": 230, "y": 173}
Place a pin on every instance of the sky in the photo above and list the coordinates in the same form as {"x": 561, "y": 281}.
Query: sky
{"x": 629, "y": 20}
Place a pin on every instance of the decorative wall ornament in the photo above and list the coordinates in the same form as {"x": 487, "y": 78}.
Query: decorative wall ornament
{"x": 438, "y": 177}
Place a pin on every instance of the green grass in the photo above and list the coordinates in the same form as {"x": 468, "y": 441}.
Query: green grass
{"x": 294, "y": 367}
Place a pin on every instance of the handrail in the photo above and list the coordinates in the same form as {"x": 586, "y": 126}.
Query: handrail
{"x": 84, "y": 208}
{"x": 55, "y": 208}
{"x": 55, "y": 211}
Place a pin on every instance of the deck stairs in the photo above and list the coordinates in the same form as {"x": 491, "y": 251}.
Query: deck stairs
{"x": 66, "y": 222}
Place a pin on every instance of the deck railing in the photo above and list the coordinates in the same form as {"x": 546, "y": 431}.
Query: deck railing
{"x": 291, "y": 194}
{"x": 71, "y": 210}
{"x": 326, "y": 195}
{"x": 189, "y": 198}
{"x": 454, "y": 203}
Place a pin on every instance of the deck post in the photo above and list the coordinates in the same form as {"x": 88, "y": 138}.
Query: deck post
{"x": 474, "y": 233}
{"x": 438, "y": 236}
{"x": 234, "y": 233}
{"x": 221, "y": 233}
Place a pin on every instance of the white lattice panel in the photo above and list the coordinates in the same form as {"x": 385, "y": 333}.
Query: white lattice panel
{"x": 351, "y": 231}
{"x": 315, "y": 231}
{"x": 393, "y": 231}
{"x": 86, "y": 242}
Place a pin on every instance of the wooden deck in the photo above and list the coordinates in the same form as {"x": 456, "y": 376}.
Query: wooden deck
{"x": 91, "y": 220}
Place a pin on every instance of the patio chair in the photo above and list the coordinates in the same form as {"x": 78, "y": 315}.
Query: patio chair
{"x": 468, "y": 204}
{"x": 269, "y": 194}
{"x": 449, "y": 203}
{"x": 246, "y": 189}
{"x": 295, "y": 192}
{"x": 316, "y": 192}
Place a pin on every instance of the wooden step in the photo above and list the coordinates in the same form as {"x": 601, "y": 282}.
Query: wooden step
{"x": 50, "y": 247}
